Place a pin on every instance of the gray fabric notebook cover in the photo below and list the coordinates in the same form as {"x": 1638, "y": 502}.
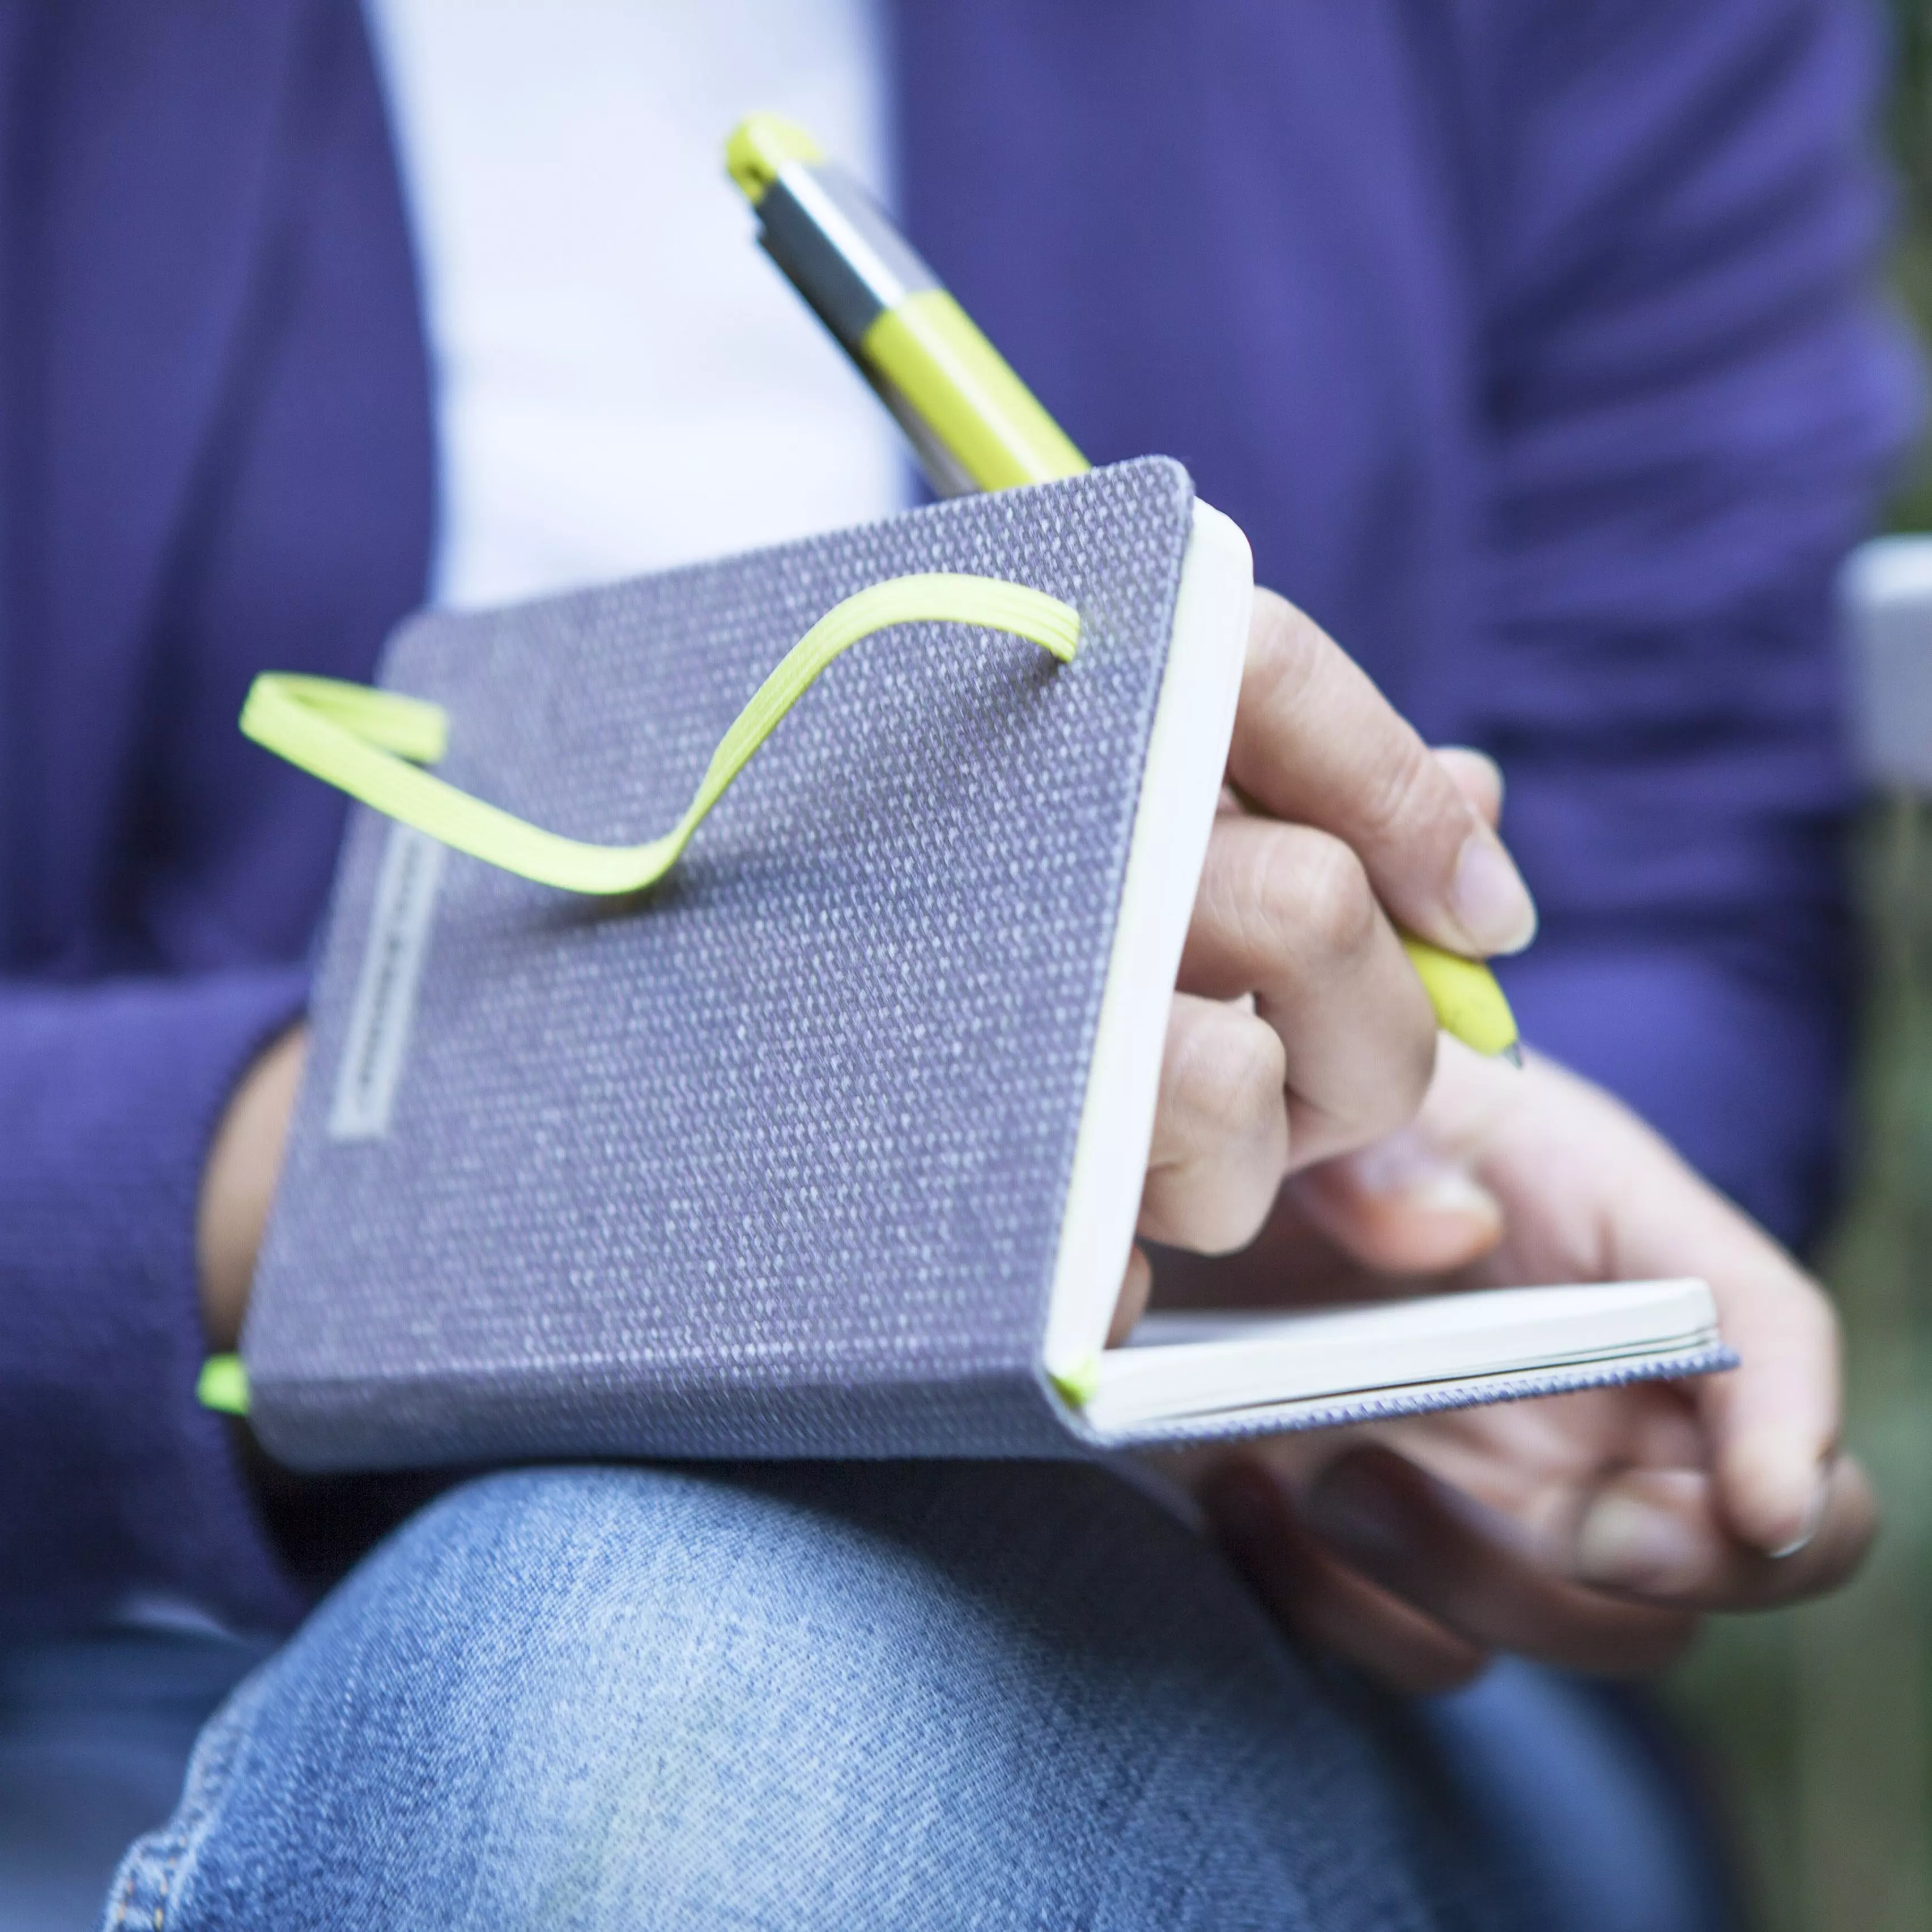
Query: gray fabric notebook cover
{"x": 770, "y": 1162}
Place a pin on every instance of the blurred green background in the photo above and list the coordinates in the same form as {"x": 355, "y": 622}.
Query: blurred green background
{"x": 1820, "y": 1719}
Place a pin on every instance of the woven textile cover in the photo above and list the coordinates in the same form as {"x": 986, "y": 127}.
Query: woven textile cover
{"x": 770, "y": 1161}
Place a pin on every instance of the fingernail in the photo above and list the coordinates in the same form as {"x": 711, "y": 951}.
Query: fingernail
{"x": 1814, "y": 1515}
{"x": 1453, "y": 1191}
{"x": 1632, "y": 1546}
{"x": 1778, "y": 1484}
{"x": 1490, "y": 902}
{"x": 1397, "y": 1164}
{"x": 1439, "y": 1187}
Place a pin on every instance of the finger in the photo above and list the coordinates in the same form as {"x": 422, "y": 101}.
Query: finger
{"x": 1477, "y": 777}
{"x": 1287, "y": 914}
{"x": 1220, "y": 1130}
{"x": 1402, "y": 1206}
{"x": 1773, "y": 1421}
{"x": 1136, "y": 1285}
{"x": 1637, "y": 1211}
{"x": 1459, "y": 1564}
{"x": 1316, "y": 744}
{"x": 1539, "y": 1463}
{"x": 1661, "y": 1535}
{"x": 1319, "y": 1600}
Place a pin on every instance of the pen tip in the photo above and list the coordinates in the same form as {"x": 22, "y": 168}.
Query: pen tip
{"x": 1513, "y": 1053}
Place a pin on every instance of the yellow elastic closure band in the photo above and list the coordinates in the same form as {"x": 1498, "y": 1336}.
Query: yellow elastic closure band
{"x": 370, "y": 743}
{"x": 1079, "y": 1383}
{"x": 224, "y": 1385}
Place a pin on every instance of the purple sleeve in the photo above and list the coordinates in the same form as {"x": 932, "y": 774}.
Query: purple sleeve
{"x": 1697, "y": 398}
{"x": 219, "y": 458}
{"x": 119, "y": 1484}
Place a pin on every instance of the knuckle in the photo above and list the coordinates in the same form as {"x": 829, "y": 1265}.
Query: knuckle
{"x": 1315, "y": 891}
{"x": 1285, "y": 647}
{"x": 1219, "y": 1216}
{"x": 1233, "y": 1071}
{"x": 1412, "y": 789}
{"x": 1256, "y": 1075}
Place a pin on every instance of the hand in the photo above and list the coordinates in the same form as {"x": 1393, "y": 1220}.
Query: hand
{"x": 1590, "y": 1530}
{"x": 1355, "y": 825}
{"x": 238, "y": 1183}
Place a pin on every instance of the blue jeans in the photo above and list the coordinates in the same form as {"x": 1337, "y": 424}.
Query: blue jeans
{"x": 851, "y": 1696}
{"x": 94, "y": 1731}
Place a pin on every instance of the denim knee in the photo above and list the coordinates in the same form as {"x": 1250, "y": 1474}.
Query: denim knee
{"x": 840, "y": 1695}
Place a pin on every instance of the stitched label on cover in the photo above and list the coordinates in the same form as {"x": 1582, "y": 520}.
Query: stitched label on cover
{"x": 385, "y": 993}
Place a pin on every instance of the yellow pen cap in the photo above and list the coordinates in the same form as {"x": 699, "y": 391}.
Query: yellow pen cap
{"x": 760, "y": 146}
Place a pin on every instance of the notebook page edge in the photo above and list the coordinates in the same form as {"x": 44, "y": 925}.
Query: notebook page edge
{"x": 1199, "y": 1379}
{"x": 1712, "y": 1357}
{"x": 1181, "y": 786}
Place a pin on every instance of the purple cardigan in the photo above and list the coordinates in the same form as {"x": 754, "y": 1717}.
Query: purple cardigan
{"x": 1533, "y": 346}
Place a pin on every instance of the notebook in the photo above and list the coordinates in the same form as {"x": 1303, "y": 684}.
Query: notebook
{"x": 831, "y": 1143}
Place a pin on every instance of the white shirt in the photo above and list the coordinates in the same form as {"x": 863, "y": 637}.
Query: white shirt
{"x": 623, "y": 379}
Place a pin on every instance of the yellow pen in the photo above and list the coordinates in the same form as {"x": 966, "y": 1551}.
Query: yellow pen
{"x": 974, "y": 425}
